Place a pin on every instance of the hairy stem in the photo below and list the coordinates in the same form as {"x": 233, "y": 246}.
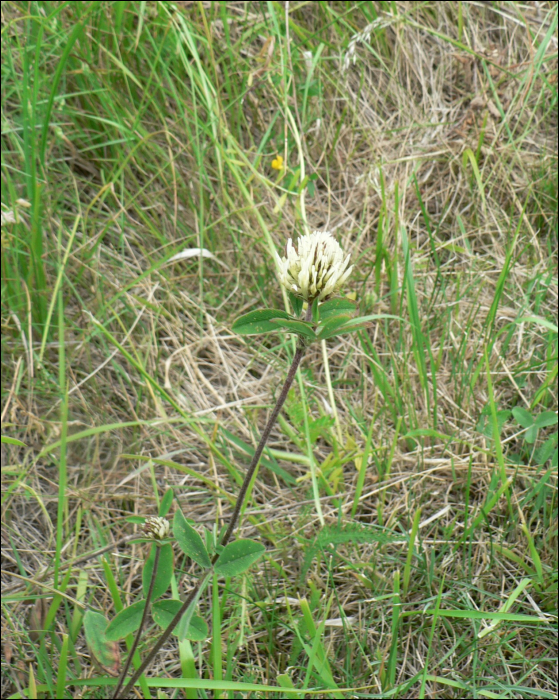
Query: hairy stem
{"x": 141, "y": 627}
{"x": 300, "y": 351}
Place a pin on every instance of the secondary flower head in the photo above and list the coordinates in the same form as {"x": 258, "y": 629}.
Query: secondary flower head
{"x": 156, "y": 528}
{"x": 316, "y": 268}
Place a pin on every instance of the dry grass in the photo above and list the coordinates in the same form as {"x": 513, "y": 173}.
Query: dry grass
{"x": 439, "y": 139}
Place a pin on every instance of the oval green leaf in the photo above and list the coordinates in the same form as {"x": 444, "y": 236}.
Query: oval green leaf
{"x": 127, "y": 620}
{"x": 104, "y": 652}
{"x": 299, "y": 327}
{"x": 238, "y": 556}
{"x": 190, "y": 541}
{"x": 334, "y": 307}
{"x": 165, "y": 610}
{"x": 258, "y": 322}
{"x": 546, "y": 419}
{"x": 164, "y": 571}
{"x": 197, "y": 629}
{"x": 523, "y": 416}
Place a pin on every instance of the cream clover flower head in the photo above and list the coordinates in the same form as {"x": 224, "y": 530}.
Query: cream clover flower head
{"x": 316, "y": 268}
{"x": 156, "y": 528}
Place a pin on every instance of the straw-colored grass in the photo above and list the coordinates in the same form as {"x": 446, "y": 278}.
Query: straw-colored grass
{"x": 424, "y": 135}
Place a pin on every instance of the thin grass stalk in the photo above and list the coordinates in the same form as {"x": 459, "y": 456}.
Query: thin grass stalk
{"x": 331, "y": 392}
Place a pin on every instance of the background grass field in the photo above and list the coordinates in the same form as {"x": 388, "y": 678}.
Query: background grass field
{"x": 424, "y": 136}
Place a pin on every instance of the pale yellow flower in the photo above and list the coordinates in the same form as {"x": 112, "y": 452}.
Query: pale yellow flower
{"x": 156, "y": 528}
{"x": 315, "y": 268}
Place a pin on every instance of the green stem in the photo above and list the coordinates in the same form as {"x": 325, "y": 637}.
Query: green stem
{"x": 141, "y": 627}
{"x": 300, "y": 351}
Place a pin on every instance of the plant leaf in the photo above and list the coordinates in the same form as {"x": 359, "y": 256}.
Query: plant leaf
{"x": 258, "y": 322}
{"x": 164, "y": 570}
{"x": 197, "y": 629}
{"x": 299, "y": 327}
{"x": 127, "y": 620}
{"x": 238, "y": 556}
{"x": 166, "y": 503}
{"x": 296, "y": 303}
{"x": 541, "y": 321}
{"x": 190, "y": 541}
{"x": 366, "y": 319}
{"x": 12, "y": 441}
{"x": 546, "y": 419}
{"x": 485, "y": 422}
{"x": 356, "y": 324}
{"x": 314, "y": 310}
{"x": 531, "y": 435}
{"x": 543, "y": 453}
{"x": 334, "y": 307}
{"x": 104, "y": 652}
{"x": 332, "y": 324}
{"x": 165, "y": 610}
{"x": 522, "y": 416}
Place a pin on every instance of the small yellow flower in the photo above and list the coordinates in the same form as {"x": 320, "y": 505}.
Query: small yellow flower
{"x": 277, "y": 163}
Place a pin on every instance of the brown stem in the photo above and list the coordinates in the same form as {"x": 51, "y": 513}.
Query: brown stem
{"x": 263, "y": 440}
{"x": 300, "y": 351}
{"x": 141, "y": 627}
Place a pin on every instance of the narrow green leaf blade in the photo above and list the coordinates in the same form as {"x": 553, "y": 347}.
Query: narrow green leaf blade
{"x": 190, "y": 541}
{"x": 164, "y": 570}
{"x": 371, "y": 317}
{"x": 127, "y": 620}
{"x": 166, "y": 503}
{"x": 314, "y": 310}
{"x": 332, "y": 324}
{"x": 258, "y": 321}
{"x": 238, "y": 556}
{"x": 12, "y": 441}
{"x": 356, "y": 324}
{"x": 296, "y": 303}
{"x": 541, "y": 321}
{"x": 543, "y": 453}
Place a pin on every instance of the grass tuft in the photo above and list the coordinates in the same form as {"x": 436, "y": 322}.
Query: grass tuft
{"x": 408, "y": 494}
